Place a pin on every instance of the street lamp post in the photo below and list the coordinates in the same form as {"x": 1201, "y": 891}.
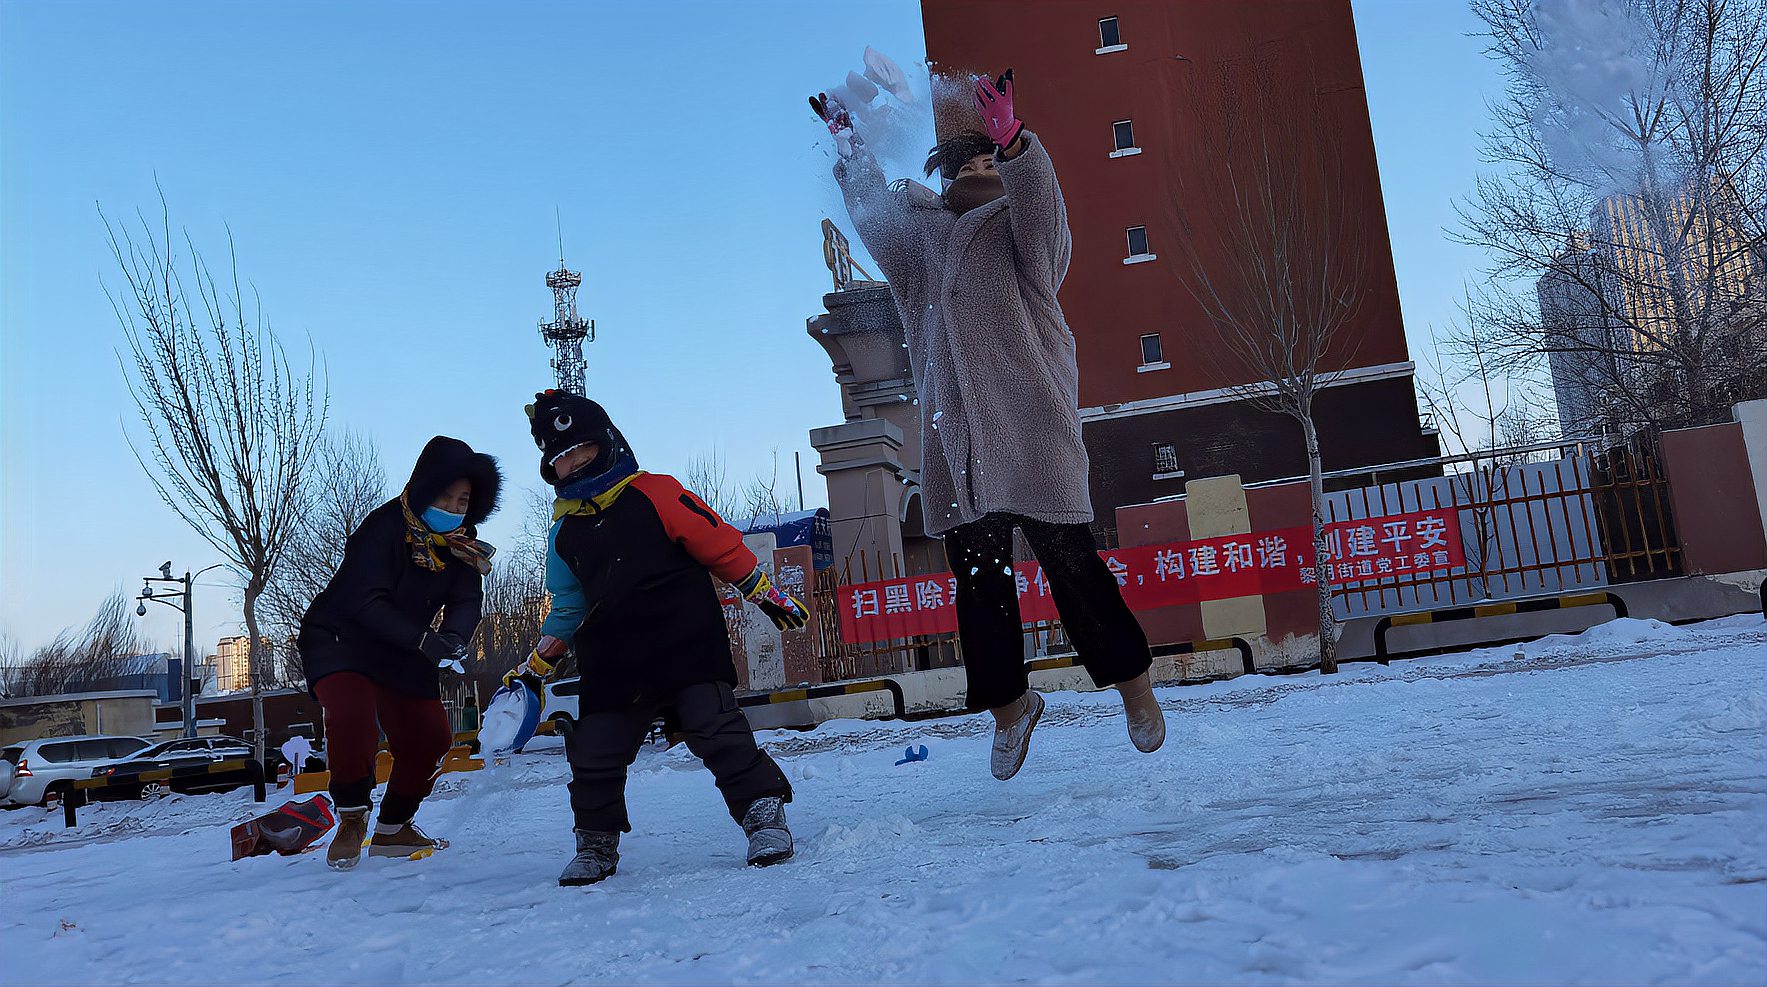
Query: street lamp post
{"x": 191, "y": 679}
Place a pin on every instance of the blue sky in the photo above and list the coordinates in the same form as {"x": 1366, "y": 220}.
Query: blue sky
{"x": 389, "y": 172}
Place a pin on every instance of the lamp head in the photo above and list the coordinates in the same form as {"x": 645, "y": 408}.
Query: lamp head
{"x": 140, "y": 609}
{"x": 166, "y": 570}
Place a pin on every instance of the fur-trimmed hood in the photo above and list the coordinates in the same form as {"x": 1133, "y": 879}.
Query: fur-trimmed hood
{"x": 444, "y": 460}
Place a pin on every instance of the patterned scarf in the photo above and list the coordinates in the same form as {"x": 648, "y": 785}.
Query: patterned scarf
{"x": 460, "y": 543}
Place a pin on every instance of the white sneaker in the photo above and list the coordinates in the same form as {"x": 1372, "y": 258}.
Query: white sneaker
{"x": 1013, "y": 741}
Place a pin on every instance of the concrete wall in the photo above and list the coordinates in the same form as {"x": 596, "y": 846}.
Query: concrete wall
{"x": 128, "y": 714}
{"x": 1714, "y": 497}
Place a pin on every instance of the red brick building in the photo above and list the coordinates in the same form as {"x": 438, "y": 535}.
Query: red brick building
{"x": 1111, "y": 87}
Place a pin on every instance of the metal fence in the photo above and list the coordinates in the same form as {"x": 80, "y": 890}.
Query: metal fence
{"x": 841, "y": 660}
{"x": 1534, "y": 521}
{"x": 1583, "y": 518}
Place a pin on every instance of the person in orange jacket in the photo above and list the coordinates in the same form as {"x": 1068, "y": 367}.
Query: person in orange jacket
{"x": 628, "y": 567}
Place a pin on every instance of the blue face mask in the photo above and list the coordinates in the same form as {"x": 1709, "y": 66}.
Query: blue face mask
{"x": 440, "y": 521}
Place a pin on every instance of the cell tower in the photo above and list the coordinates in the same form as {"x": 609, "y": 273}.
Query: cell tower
{"x": 567, "y": 331}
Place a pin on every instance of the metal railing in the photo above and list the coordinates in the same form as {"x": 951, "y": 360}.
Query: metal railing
{"x": 1588, "y": 517}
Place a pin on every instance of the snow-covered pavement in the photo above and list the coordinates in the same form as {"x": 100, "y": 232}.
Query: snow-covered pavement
{"x": 1593, "y": 811}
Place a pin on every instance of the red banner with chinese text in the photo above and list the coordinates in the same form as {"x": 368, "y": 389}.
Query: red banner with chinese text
{"x": 1154, "y": 576}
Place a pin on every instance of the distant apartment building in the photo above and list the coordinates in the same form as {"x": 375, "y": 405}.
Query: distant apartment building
{"x": 1581, "y": 344}
{"x": 231, "y": 662}
{"x": 1694, "y": 258}
{"x": 1641, "y": 283}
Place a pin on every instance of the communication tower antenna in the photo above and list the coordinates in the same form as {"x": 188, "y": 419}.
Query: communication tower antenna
{"x": 567, "y": 331}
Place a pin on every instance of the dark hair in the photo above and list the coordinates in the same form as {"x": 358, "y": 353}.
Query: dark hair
{"x": 952, "y": 153}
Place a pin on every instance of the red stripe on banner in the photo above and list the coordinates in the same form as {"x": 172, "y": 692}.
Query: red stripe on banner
{"x": 1153, "y": 576}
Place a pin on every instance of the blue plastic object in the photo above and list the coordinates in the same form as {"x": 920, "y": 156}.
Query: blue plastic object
{"x": 510, "y": 719}
{"x": 910, "y": 755}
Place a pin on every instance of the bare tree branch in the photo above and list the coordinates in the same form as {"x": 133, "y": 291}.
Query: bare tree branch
{"x": 106, "y": 648}
{"x": 347, "y": 483}
{"x": 228, "y": 427}
{"x": 1276, "y": 254}
{"x": 1625, "y": 223}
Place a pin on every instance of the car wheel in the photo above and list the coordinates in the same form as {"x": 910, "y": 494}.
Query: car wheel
{"x": 563, "y": 726}
{"x": 56, "y": 792}
{"x": 151, "y": 790}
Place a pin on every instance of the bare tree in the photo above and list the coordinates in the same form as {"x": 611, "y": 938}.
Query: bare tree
{"x": 534, "y": 538}
{"x": 1625, "y": 221}
{"x": 1480, "y": 402}
{"x": 1275, "y": 255}
{"x": 106, "y": 648}
{"x": 229, "y": 428}
{"x": 760, "y": 497}
{"x": 347, "y": 483}
{"x": 1486, "y": 416}
{"x": 514, "y": 607}
{"x": 708, "y": 475}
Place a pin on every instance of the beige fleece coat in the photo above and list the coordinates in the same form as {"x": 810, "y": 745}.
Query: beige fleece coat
{"x": 992, "y": 355}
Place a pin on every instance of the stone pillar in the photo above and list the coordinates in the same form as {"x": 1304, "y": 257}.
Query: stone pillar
{"x": 872, "y": 460}
{"x": 863, "y": 336}
{"x": 862, "y": 463}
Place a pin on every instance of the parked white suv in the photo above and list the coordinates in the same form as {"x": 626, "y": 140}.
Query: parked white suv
{"x": 561, "y": 702}
{"x": 32, "y": 771}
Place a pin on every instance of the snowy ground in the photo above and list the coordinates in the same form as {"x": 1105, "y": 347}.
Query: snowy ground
{"x": 1593, "y": 811}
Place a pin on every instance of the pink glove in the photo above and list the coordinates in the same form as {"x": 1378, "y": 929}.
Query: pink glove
{"x": 995, "y": 106}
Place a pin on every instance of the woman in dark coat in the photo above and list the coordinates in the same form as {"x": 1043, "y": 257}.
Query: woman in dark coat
{"x": 372, "y": 646}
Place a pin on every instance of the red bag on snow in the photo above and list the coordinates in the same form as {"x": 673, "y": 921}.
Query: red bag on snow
{"x": 288, "y": 830}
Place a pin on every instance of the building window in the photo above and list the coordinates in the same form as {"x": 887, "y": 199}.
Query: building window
{"x": 1109, "y": 37}
{"x": 1152, "y": 355}
{"x": 1165, "y": 460}
{"x": 1138, "y": 249}
{"x": 1150, "y": 348}
{"x": 1123, "y": 136}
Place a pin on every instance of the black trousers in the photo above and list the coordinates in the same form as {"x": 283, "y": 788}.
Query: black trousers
{"x": 1110, "y": 642}
{"x": 604, "y": 745}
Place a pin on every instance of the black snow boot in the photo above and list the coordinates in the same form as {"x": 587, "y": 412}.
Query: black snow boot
{"x": 598, "y": 855}
{"x": 769, "y": 840}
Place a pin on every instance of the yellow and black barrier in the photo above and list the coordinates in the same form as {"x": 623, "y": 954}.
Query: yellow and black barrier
{"x": 80, "y": 794}
{"x": 458, "y": 758}
{"x": 825, "y": 691}
{"x": 1490, "y": 610}
{"x": 1161, "y": 651}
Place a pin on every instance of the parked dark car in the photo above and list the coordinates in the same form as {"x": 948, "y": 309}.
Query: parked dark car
{"x": 188, "y": 753}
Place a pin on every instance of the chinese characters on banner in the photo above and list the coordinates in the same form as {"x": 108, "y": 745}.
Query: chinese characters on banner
{"x": 1154, "y": 576}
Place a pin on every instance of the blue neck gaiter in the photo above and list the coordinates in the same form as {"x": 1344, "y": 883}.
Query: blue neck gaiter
{"x": 595, "y": 486}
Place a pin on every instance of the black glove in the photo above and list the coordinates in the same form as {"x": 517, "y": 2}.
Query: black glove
{"x": 442, "y": 647}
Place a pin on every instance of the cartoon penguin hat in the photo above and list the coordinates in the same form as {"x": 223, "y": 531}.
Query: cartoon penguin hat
{"x": 561, "y": 421}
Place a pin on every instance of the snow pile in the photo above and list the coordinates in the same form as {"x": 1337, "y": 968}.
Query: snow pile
{"x": 1595, "y": 813}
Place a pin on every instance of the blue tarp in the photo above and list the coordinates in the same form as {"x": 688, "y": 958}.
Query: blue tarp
{"x": 799, "y": 528}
